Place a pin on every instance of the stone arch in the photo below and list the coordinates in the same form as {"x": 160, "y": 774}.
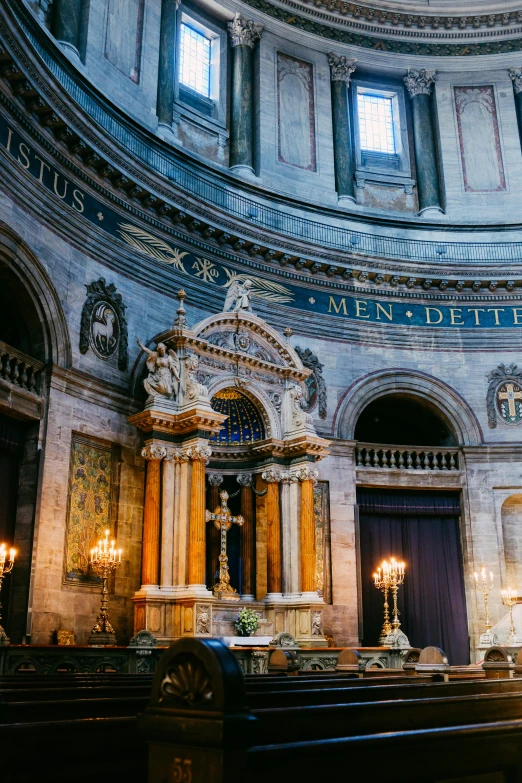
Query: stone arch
{"x": 26, "y": 271}
{"x": 258, "y": 397}
{"x": 449, "y": 404}
{"x": 511, "y": 520}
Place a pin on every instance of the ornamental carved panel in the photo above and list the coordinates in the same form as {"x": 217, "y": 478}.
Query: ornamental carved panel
{"x": 92, "y": 501}
{"x": 295, "y": 112}
{"x": 103, "y": 326}
{"x": 504, "y": 398}
{"x": 479, "y": 140}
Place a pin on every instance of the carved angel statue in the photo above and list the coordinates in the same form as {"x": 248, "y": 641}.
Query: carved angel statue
{"x": 238, "y": 297}
{"x": 163, "y": 367}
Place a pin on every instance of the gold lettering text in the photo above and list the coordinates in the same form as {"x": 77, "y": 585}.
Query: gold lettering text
{"x": 56, "y": 175}
{"x": 456, "y": 312}
{"x": 477, "y": 310}
{"x": 78, "y": 200}
{"x": 42, "y": 166}
{"x": 517, "y": 315}
{"x": 333, "y": 306}
{"x": 25, "y": 155}
{"x": 496, "y": 310}
{"x": 429, "y": 310}
{"x": 9, "y": 137}
{"x": 360, "y": 309}
{"x": 381, "y": 308}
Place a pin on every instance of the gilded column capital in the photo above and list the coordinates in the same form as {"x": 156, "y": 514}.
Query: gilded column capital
{"x": 244, "y": 32}
{"x": 516, "y": 77}
{"x": 199, "y": 453}
{"x": 215, "y": 479}
{"x": 306, "y": 473}
{"x": 419, "y": 81}
{"x": 341, "y": 67}
{"x": 154, "y": 452}
{"x": 245, "y": 479}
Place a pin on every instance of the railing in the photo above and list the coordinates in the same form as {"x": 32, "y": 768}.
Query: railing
{"x": 20, "y": 369}
{"x": 184, "y": 175}
{"x": 371, "y": 455}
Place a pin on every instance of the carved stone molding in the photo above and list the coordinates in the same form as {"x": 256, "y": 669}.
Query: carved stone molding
{"x": 496, "y": 379}
{"x": 154, "y": 452}
{"x": 271, "y": 476}
{"x": 244, "y": 32}
{"x": 419, "y": 81}
{"x": 341, "y": 67}
{"x": 516, "y": 78}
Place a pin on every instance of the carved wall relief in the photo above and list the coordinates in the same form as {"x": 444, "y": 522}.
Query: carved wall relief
{"x": 315, "y": 383}
{"x": 504, "y": 398}
{"x": 103, "y": 325}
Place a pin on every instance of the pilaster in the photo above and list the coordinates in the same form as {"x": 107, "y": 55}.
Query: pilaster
{"x": 341, "y": 69}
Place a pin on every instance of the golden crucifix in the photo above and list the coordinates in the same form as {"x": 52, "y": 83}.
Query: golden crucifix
{"x": 223, "y": 520}
{"x": 510, "y": 395}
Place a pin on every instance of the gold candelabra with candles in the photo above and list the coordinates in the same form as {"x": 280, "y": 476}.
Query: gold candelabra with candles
{"x": 105, "y": 558}
{"x": 383, "y": 584}
{"x": 485, "y": 588}
{"x": 6, "y": 566}
{"x": 509, "y": 598}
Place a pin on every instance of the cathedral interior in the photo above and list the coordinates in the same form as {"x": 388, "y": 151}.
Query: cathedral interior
{"x": 260, "y": 456}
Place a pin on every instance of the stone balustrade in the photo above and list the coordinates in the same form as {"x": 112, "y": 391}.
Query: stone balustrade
{"x": 20, "y": 369}
{"x": 372, "y": 455}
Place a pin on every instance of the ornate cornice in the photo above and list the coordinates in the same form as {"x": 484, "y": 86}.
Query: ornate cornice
{"x": 419, "y": 82}
{"x": 244, "y": 32}
{"x": 341, "y": 67}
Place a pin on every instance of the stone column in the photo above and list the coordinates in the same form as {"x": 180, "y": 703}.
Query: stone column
{"x": 307, "y": 476}
{"x": 167, "y": 520}
{"x": 273, "y": 516}
{"x": 197, "y": 540}
{"x": 214, "y": 538}
{"x": 247, "y": 536}
{"x": 243, "y": 35}
{"x": 151, "y": 515}
{"x": 167, "y": 63}
{"x": 516, "y": 78}
{"x": 66, "y": 23}
{"x": 290, "y": 543}
{"x": 341, "y": 69}
{"x": 419, "y": 84}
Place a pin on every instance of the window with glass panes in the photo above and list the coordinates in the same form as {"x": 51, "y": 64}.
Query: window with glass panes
{"x": 194, "y": 66}
{"x": 376, "y": 132}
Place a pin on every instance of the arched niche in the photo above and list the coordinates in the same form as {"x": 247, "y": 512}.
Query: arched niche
{"x": 403, "y": 420}
{"x": 511, "y": 518}
{"x": 31, "y": 314}
{"x": 424, "y": 388}
{"x": 244, "y": 423}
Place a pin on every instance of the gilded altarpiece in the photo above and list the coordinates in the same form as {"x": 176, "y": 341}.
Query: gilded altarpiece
{"x": 92, "y": 489}
{"x": 322, "y": 540}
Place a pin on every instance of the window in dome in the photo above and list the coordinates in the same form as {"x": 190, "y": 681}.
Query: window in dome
{"x": 195, "y": 60}
{"x": 376, "y": 124}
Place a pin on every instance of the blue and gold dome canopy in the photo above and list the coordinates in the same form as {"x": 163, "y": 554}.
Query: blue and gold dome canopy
{"x": 244, "y": 423}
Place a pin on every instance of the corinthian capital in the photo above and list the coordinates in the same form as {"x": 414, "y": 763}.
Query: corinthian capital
{"x": 244, "y": 32}
{"x": 306, "y": 473}
{"x": 154, "y": 452}
{"x": 341, "y": 67}
{"x": 271, "y": 476}
{"x": 215, "y": 479}
{"x": 245, "y": 479}
{"x": 199, "y": 453}
{"x": 419, "y": 82}
{"x": 516, "y": 78}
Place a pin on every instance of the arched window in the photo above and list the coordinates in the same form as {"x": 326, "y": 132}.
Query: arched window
{"x": 403, "y": 420}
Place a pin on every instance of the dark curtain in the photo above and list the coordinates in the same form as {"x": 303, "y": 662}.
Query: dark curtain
{"x": 421, "y": 528}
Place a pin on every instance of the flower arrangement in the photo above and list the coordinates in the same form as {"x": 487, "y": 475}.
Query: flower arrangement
{"x": 247, "y": 622}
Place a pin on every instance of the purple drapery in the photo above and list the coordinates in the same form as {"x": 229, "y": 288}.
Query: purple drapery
{"x": 421, "y": 528}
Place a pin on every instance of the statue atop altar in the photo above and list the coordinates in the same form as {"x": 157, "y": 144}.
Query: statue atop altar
{"x": 226, "y": 411}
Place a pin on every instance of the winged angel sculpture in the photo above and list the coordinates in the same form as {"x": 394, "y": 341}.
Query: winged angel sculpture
{"x": 238, "y": 297}
{"x": 163, "y": 367}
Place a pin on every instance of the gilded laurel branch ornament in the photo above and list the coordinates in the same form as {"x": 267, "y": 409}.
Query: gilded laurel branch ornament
{"x": 419, "y": 81}
{"x": 186, "y": 682}
{"x": 244, "y": 32}
{"x": 341, "y": 67}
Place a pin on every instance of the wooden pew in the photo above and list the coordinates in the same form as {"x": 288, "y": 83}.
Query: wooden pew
{"x": 199, "y": 721}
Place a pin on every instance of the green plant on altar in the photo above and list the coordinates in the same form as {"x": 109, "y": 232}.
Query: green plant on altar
{"x": 247, "y": 622}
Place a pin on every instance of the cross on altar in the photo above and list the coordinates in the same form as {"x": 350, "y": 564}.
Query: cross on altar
{"x": 511, "y": 395}
{"x": 223, "y": 520}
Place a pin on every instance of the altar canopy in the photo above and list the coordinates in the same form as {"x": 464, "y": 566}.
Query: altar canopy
{"x": 421, "y": 528}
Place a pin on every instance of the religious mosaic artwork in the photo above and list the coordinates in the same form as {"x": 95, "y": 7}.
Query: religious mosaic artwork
{"x": 315, "y": 384}
{"x": 479, "y": 140}
{"x": 295, "y": 112}
{"x": 244, "y": 423}
{"x": 322, "y": 540}
{"x": 504, "y": 398}
{"x": 90, "y": 506}
{"x": 103, "y": 326}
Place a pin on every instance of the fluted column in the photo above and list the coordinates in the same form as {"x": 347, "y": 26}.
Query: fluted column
{"x": 290, "y": 542}
{"x": 307, "y": 476}
{"x": 151, "y": 515}
{"x": 419, "y": 84}
{"x": 197, "y": 540}
{"x": 214, "y": 537}
{"x": 516, "y": 78}
{"x": 243, "y": 36}
{"x": 247, "y": 536}
{"x": 66, "y": 23}
{"x": 167, "y": 520}
{"x": 273, "y": 516}
{"x": 167, "y": 62}
{"x": 341, "y": 69}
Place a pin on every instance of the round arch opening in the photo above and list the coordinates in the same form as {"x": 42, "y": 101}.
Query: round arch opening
{"x": 404, "y": 420}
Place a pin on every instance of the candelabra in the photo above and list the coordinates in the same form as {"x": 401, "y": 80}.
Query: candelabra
{"x": 5, "y": 568}
{"x": 487, "y": 638}
{"x": 509, "y": 598}
{"x": 104, "y": 559}
{"x": 382, "y": 584}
